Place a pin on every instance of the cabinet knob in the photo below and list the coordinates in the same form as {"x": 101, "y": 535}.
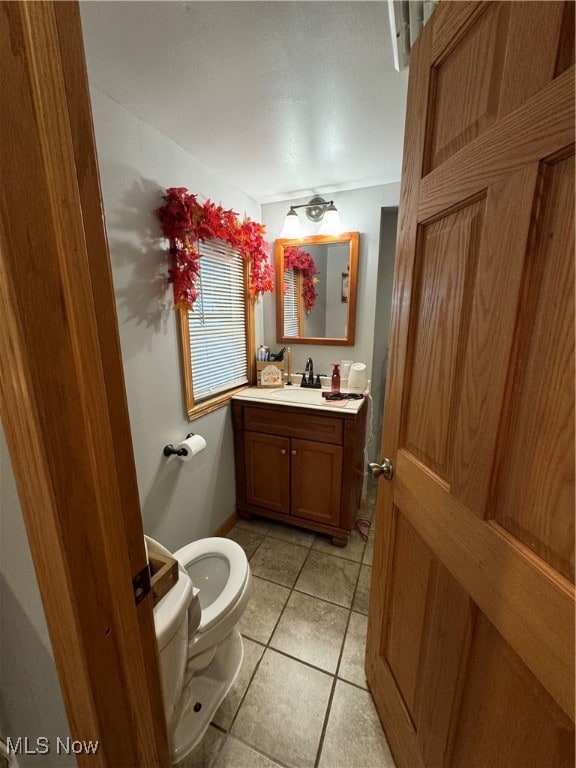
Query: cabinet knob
{"x": 293, "y": 453}
{"x": 283, "y": 451}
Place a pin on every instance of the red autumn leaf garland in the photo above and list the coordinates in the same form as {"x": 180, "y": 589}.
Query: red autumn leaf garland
{"x": 296, "y": 258}
{"x": 185, "y": 222}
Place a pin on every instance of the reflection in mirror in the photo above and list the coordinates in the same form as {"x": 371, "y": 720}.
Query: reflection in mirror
{"x": 316, "y": 289}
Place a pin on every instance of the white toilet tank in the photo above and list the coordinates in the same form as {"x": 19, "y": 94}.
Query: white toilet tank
{"x": 171, "y": 624}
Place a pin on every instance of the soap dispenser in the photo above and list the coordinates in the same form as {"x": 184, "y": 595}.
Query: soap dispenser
{"x": 336, "y": 377}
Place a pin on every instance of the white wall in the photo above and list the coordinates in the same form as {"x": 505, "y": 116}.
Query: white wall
{"x": 31, "y": 701}
{"x": 359, "y": 211}
{"x": 382, "y": 319}
{"x": 180, "y": 501}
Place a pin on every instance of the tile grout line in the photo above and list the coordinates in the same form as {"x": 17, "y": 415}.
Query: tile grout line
{"x": 267, "y": 645}
{"x": 257, "y": 666}
{"x": 336, "y": 678}
{"x": 331, "y": 697}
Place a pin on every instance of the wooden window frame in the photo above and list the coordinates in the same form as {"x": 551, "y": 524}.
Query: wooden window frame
{"x": 195, "y": 410}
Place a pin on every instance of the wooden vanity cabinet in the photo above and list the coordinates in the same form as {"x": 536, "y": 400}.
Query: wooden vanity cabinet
{"x": 299, "y": 465}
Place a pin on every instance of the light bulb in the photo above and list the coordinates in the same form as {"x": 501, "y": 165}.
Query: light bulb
{"x": 291, "y": 226}
{"x": 331, "y": 222}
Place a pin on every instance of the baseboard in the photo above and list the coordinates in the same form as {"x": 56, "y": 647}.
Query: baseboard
{"x": 227, "y": 525}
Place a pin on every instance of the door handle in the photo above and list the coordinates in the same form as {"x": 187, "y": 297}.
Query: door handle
{"x": 385, "y": 469}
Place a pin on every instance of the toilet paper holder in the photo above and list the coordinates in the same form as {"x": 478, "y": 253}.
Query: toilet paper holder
{"x": 169, "y": 449}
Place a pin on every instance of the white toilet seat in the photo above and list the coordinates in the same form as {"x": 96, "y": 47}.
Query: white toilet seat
{"x": 237, "y": 576}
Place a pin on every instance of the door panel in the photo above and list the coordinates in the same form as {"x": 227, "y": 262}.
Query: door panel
{"x": 482, "y": 76}
{"x": 471, "y": 630}
{"x": 462, "y": 114}
{"x": 540, "y": 399}
{"x": 412, "y": 577}
{"x": 316, "y": 480}
{"x": 446, "y": 643}
{"x": 532, "y": 606}
{"x": 565, "y": 57}
{"x": 447, "y": 255}
{"x": 535, "y": 130}
{"x": 489, "y": 336}
{"x": 497, "y": 682}
{"x": 267, "y": 471}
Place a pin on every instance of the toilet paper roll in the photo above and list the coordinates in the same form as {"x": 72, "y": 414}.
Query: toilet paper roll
{"x": 193, "y": 445}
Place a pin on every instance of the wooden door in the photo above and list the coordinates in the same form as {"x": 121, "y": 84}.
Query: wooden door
{"x": 316, "y": 481}
{"x": 471, "y": 632}
{"x": 267, "y": 471}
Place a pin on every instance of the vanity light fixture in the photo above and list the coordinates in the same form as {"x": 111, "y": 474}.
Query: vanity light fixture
{"x": 317, "y": 209}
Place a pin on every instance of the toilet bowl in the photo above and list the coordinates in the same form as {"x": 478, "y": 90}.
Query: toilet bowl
{"x": 199, "y": 646}
{"x": 219, "y": 570}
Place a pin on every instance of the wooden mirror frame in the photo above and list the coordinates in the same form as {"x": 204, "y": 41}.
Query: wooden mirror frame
{"x": 353, "y": 239}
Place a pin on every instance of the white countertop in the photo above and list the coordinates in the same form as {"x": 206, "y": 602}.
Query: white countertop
{"x": 298, "y": 396}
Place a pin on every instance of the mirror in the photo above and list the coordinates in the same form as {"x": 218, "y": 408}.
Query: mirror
{"x": 316, "y": 289}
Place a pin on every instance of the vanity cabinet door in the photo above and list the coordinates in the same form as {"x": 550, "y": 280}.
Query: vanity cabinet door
{"x": 267, "y": 471}
{"x": 316, "y": 480}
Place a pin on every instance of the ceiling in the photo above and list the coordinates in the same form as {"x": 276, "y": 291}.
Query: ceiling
{"x": 282, "y": 99}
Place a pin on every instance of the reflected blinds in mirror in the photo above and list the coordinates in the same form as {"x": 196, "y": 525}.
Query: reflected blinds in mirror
{"x": 217, "y": 323}
{"x": 291, "y": 303}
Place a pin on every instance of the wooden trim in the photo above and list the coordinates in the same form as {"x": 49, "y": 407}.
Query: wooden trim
{"x": 214, "y": 404}
{"x": 185, "y": 360}
{"x": 250, "y": 327}
{"x": 354, "y": 239}
{"x": 227, "y": 525}
{"x": 353, "y": 287}
{"x": 61, "y": 394}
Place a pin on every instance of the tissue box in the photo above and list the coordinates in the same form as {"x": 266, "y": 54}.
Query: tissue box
{"x": 164, "y": 573}
{"x": 270, "y": 374}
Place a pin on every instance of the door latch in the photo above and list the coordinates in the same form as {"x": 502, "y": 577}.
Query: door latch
{"x": 385, "y": 469}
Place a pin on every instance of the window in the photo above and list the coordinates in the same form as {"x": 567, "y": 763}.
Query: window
{"x": 216, "y": 333}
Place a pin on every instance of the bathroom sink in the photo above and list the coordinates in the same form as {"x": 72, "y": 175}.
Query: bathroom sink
{"x": 298, "y": 395}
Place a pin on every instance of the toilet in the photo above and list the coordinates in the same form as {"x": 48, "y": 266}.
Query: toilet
{"x": 199, "y": 645}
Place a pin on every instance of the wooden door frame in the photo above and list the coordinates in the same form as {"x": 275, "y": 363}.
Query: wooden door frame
{"x": 62, "y": 396}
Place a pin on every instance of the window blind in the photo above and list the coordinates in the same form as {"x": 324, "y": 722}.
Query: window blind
{"x": 217, "y": 323}
{"x": 291, "y": 303}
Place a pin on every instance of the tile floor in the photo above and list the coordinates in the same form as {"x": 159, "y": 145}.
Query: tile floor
{"x": 300, "y": 699}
